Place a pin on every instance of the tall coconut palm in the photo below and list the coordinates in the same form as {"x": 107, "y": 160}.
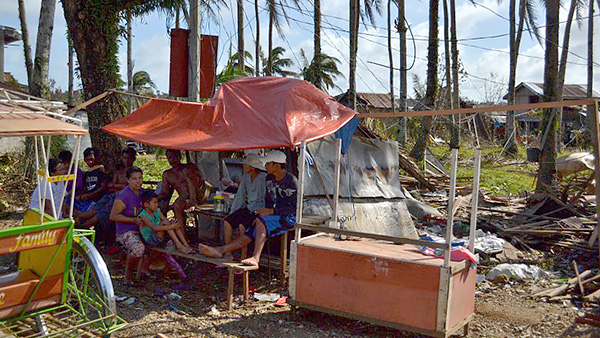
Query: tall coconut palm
{"x": 26, "y": 44}
{"x": 428, "y": 101}
{"x": 547, "y": 170}
{"x": 276, "y": 10}
{"x": 278, "y": 63}
{"x": 257, "y": 46}
{"x": 41, "y": 63}
{"x": 326, "y": 72}
{"x": 356, "y": 14}
{"x": 240, "y": 24}
{"x": 454, "y": 135}
{"x": 403, "y": 71}
{"x": 591, "y": 110}
{"x": 317, "y": 80}
{"x": 390, "y": 54}
{"x": 142, "y": 84}
{"x": 526, "y": 15}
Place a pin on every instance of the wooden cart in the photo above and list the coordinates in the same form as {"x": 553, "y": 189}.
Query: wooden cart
{"x": 381, "y": 279}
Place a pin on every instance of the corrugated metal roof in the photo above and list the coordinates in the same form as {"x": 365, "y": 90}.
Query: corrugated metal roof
{"x": 376, "y": 100}
{"x": 570, "y": 91}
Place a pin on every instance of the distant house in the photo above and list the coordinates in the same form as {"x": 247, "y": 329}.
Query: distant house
{"x": 373, "y": 102}
{"x": 532, "y": 92}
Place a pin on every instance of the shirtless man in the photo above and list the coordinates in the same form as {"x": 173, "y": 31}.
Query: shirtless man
{"x": 186, "y": 180}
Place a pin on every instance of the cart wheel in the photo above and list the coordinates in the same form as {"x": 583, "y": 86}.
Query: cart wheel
{"x": 90, "y": 289}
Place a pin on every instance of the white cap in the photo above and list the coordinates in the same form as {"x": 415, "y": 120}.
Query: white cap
{"x": 275, "y": 156}
{"x": 254, "y": 161}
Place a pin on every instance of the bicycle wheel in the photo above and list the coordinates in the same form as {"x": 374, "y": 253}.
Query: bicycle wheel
{"x": 90, "y": 290}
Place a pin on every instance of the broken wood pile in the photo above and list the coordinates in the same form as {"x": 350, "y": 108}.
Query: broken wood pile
{"x": 584, "y": 286}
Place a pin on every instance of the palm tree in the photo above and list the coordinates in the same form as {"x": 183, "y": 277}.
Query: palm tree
{"x": 526, "y": 15}
{"x": 240, "y": 23}
{"x": 326, "y": 72}
{"x": 403, "y": 71}
{"x": 277, "y": 63}
{"x": 547, "y": 171}
{"x": 317, "y": 80}
{"x": 257, "y": 47}
{"x": 39, "y": 79}
{"x": 371, "y": 6}
{"x": 233, "y": 62}
{"x": 142, "y": 84}
{"x": 26, "y": 44}
{"x": 428, "y": 101}
{"x": 390, "y": 55}
{"x": 276, "y": 9}
{"x": 591, "y": 111}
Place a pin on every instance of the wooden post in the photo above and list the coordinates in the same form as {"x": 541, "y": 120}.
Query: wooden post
{"x": 336, "y": 185}
{"x": 246, "y": 285}
{"x": 451, "y": 197}
{"x": 283, "y": 256}
{"x": 474, "y": 200}
{"x": 230, "y": 289}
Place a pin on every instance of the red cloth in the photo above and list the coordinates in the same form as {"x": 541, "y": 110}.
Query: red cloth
{"x": 246, "y": 113}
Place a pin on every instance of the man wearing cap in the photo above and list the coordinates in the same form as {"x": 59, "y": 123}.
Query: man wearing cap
{"x": 279, "y": 213}
{"x": 249, "y": 198}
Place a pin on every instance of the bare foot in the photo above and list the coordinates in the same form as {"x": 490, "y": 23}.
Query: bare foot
{"x": 209, "y": 251}
{"x": 250, "y": 261}
{"x": 185, "y": 249}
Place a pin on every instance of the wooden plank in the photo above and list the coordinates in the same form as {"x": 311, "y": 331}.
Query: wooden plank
{"x": 246, "y": 285}
{"x": 336, "y": 185}
{"x": 397, "y": 240}
{"x": 443, "y": 299}
{"x": 88, "y": 102}
{"x": 578, "y": 279}
{"x": 529, "y": 106}
{"x": 283, "y": 256}
{"x": 451, "y": 201}
{"x": 474, "y": 200}
{"x": 215, "y": 261}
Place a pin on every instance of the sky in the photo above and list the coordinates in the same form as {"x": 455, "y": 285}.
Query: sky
{"x": 482, "y": 32}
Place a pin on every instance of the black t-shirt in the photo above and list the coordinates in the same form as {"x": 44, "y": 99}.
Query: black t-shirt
{"x": 94, "y": 180}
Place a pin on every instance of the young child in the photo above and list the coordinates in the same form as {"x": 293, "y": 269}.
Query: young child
{"x": 155, "y": 225}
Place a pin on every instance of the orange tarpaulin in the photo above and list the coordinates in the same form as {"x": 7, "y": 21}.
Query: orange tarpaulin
{"x": 246, "y": 113}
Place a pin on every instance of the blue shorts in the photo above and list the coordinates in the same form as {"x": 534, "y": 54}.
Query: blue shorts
{"x": 274, "y": 224}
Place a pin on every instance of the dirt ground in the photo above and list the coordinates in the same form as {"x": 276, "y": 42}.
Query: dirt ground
{"x": 502, "y": 310}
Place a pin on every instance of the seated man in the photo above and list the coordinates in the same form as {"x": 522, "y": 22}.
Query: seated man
{"x": 278, "y": 214}
{"x": 45, "y": 193}
{"x": 186, "y": 180}
{"x": 249, "y": 199}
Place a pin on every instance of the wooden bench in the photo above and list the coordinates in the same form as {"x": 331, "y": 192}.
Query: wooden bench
{"x": 230, "y": 265}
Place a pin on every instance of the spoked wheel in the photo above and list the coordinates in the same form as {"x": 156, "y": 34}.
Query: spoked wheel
{"x": 90, "y": 290}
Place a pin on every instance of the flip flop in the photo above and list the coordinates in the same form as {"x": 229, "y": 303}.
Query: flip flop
{"x": 282, "y": 301}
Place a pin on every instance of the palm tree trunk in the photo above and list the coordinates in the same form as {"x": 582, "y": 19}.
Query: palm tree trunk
{"x": 317, "y": 54}
{"x": 403, "y": 71}
{"x": 590, "y": 74}
{"x": 96, "y": 46}
{"x": 454, "y": 81}
{"x": 562, "y": 70}
{"x": 39, "y": 79}
{"x": 257, "y": 50}
{"x": 129, "y": 61}
{"x": 354, "y": 15}
{"x": 547, "y": 171}
{"x": 454, "y": 137}
{"x": 390, "y": 55}
{"x": 454, "y": 51}
{"x": 240, "y": 17}
{"x": 514, "y": 46}
{"x": 70, "y": 66}
{"x": 26, "y": 44}
{"x": 418, "y": 150}
{"x": 562, "y": 66}
{"x": 271, "y": 24}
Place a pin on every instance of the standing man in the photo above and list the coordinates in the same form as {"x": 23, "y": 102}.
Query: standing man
{"x": 279, "y": 213}
{"x": 186, "y": 180}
